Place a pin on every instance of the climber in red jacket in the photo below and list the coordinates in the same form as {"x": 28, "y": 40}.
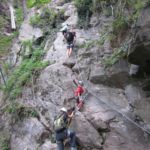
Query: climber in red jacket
{"x": 78, "y": 94}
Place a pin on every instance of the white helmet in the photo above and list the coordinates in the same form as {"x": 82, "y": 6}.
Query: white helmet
{"x": 64, "y": 24}
{"x": 65, "y": 27}
{"x": 63, "y": 109}
{"x": 80, "y": 83}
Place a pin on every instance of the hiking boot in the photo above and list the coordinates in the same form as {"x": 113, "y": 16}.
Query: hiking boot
{"x": 73, "y": 148}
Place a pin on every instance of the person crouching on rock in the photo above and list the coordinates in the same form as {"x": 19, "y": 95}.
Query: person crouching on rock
{"x": 61, "y": 123}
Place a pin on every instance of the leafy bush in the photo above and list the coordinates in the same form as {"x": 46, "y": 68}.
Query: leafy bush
{"x": 83, "y": 6}
{"x": 103, "y": 6}
{"x": 35, "y": 20}
{"x": 3, "y": 23}
{"x": 32, "y": 3}
{"x": 19, "y": 16}
{"x": 5, "y": 43}
{"x": 20, "y": 111}
{"x": 4, "y": 142}
{"x": 84, "y": 11}
{"x": 116, "y": 55}
{"x": 22, "y": 74}
{"x": 119, "y": 24}
{"x": 47, "y": 19}
{"x": 86, "y": 8}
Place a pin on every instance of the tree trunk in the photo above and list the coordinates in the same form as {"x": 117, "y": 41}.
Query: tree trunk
{"x": 12, "y": 15}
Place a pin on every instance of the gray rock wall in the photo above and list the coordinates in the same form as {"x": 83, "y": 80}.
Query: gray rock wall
{"x": 112, "y": 95}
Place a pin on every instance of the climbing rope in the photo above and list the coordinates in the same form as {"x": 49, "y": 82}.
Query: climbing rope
{"x": 116, "y": 110}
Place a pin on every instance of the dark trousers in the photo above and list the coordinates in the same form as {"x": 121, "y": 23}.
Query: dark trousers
{"x": 60, "y": 139}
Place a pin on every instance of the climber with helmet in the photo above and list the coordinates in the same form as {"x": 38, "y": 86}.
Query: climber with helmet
{"x": 62, "y": 131}
{"x": 64, "y": 29}
{"x": 70, "y": 38}
{"x": 78, "y": 93}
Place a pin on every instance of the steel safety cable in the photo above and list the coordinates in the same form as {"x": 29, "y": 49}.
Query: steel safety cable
{"x": 119, "y": 112}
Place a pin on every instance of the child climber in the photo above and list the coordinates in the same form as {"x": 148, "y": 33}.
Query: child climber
{"x": 78, "y": 94}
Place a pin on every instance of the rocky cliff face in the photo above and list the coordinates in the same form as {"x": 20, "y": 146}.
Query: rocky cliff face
{"x": 116, "y": 111}
{"x": 139, "y": 52}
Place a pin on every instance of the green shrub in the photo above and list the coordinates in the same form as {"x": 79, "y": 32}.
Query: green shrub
{"x": 19, "y": 16}
{"x": 3, "y": 23}
{"x": 66, "y": 1}
{"x": 35, "y": 20}
{"x": 84, "y": 11}
{"x": 122, "y": 21}
{"x": 115, "y": 57}
{"x": 119, "y": 24}
{"x": 32, "y": 3}
{"x": 5, "y": 43}
{"x": 103, "y": 6}
{"x": 6, "y": 67}
{"x": 88, "y": 44}
{"x": 4, "y": 142}
{"x": 137, "y": 7}
{"x": 22, "y": 74}
{"x": 83, "y": 6}
{"x": 20, "y": 111}
{"x": 47, "y": 18}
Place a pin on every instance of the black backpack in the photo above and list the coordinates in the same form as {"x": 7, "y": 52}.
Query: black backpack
{"x": 69, "y": 36}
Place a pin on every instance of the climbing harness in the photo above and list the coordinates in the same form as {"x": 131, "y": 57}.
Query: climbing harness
{"x": 80, "y": 99}
{"x": 116, "y": 110}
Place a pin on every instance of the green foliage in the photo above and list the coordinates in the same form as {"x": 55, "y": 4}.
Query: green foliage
{"x": 119, "y": 24}
{"x": 84, "y": 11}
{"x": 103, "y": 6}
{"x": 102, "y": 39}
{"x": 137, "y": 7}
{"x": 22, "y": 74}
{"x": 35, "y": 20}
{"x": 83, "y": 6}
{"x": 88, "y": 44}
{"x": 48, "y": 18}
{"x": 4, "y": 142}
{"x": 66, "y": 1}
{"x": 5, "y": 43}
{"x": 32, "y": 3}
{"x": 19, "y": 16}
{"x": 97, "y": 6}
{"x": 3, "y": 23}
{"x": 147, "y": 3}
{"x": 5, "y": 40}
{"x": 6, "y": 68}
{"x": 20, "y": 111}
{"x": 116, "y": 56}
{"x": 111, "y": 37}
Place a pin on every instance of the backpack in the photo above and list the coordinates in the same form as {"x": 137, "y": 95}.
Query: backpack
{"x": 59, "y": 123}
{"x": 69, "y": 36}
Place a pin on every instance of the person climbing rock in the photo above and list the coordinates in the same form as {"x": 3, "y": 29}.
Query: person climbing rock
{"x": 62, "y": 132}
{"x": 70, "y": 37}
{"x": 64, "y": 29}
{"x": 78, "y": 94}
